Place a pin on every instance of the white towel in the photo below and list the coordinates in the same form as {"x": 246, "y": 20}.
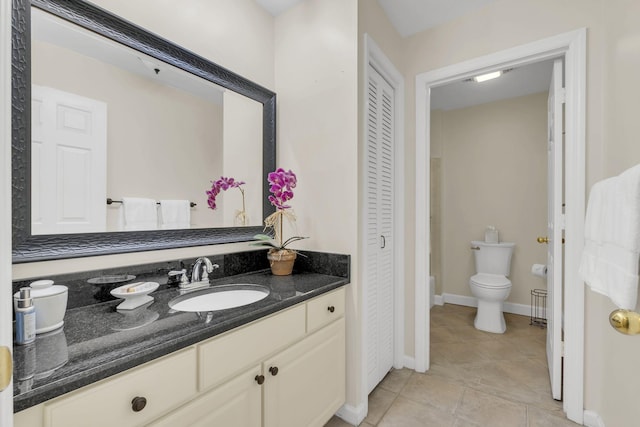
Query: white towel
{"x": 140, "y": 214}
{"x": 611, "y": 255}
{"x": 175, "y": 214}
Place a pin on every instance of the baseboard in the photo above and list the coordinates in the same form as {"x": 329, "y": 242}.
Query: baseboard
{"x": 352, "y": 414}
{"x": 508, "y": 307}
{"x": 438, "y": 300}
{"x": 409, "y": 362}
{"x": 592, "y": 419}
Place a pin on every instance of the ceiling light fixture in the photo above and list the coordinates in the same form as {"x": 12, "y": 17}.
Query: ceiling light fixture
{"x": 488, "y": 76}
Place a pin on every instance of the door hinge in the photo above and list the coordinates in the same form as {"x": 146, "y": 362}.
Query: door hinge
{"x": 563, "y": 221}
{"x": 562, "y": 94}
{"x": 562, "y": 348}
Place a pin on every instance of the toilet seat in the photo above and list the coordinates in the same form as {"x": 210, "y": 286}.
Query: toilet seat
{"x": 490, "y": 281}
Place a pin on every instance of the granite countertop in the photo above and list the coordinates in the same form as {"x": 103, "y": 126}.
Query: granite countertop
{"x": 97, "y": 341}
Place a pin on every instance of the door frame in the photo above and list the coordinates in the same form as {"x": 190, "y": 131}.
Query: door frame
{"x": 374, "y": 56}
{"x": 571, "y": 46}
{"x": 6, "y": 307}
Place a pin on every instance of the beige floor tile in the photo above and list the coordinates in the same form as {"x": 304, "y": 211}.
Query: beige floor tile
{"x": 379, "y": 402}
{"x": 337, "y": 422}
{"x": 395, "y": 380}
{"x": 407, "y": 413}
{"x": 489, "y": 410}
{"x": 434, "y": 391}
{"x": 539, "y": 418}
{"x": 476, "y": 379}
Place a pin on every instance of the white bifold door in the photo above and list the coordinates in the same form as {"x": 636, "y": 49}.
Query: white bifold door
{"x": 555, "y": 227}
{"x": 69, "y": 162}
{"x": 378, "y": 274}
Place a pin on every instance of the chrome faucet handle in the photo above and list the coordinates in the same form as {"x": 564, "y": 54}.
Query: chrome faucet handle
{"x": 209, "y": 267}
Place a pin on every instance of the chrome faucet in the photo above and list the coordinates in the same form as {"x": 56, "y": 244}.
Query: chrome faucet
{"x": 208, "y": 268}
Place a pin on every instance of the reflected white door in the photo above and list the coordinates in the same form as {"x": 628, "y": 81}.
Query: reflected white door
{"x": 555, "y": 225}
{"x": 68, "y": 162}
{"x": 378, "y": 275}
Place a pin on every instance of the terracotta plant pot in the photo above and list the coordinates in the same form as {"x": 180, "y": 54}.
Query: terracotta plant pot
{"x": 281, "y": 261}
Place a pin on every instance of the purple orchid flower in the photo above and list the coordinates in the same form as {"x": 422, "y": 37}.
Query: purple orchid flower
{"x": 281, "y": 182}
{"x": 223, "y": 184}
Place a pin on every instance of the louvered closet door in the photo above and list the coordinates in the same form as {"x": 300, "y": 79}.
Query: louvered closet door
{"x": 379, "y": 233}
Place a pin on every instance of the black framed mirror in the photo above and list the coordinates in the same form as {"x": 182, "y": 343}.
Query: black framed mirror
{"x": 28, "y": 247}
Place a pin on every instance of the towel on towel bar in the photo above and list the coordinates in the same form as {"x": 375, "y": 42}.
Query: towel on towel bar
{"x": 175, "y": 214}
{"x": 611, "y": 254}
{"x": 139, "y": 214}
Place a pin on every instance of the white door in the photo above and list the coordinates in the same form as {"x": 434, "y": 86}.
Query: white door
{"x": 6, "y": 305}
{"x": 69, "y": 162}
{"x": 555, "y": 225}
{"x": 378, "y": 275}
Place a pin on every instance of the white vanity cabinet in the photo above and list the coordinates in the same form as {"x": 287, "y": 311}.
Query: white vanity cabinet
{"x": 287, "y": 369}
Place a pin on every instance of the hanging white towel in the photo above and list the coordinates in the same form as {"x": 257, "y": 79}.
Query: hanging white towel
{"x": 175, "y": 214}
{"x": 140, "y": 214}
{"x": 611, "y": 254}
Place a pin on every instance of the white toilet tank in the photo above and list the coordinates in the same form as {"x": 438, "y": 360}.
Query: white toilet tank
{"x": 493, "y": 258}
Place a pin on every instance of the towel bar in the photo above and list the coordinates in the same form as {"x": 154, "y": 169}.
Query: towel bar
{"x": 625, "y": 321}
{"x": 110, "y": 201}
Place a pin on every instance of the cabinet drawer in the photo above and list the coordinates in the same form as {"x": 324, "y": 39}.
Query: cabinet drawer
{"x": 164, "y": 384}
{"x": 325, "y": 309}
{"x": 225, "y": 356}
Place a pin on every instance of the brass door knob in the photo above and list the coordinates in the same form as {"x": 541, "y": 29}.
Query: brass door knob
{"x": 543, "y": 240}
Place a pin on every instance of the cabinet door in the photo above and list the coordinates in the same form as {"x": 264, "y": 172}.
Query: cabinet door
{"x": 309, "y": 384}
{"x": 235, "y": 403}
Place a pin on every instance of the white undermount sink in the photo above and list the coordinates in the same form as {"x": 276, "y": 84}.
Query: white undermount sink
{"x": 219, "y": 298}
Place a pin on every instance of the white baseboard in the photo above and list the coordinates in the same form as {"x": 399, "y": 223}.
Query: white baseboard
{"x": 352, "y": 414}
{"x": 438, "y": 300}
{"x": 409, "y": 362}
{"x": 508, "y": 307}
{"x": 592, "y": 419}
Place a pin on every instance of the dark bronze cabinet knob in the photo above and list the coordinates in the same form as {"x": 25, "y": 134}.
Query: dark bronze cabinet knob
{"x": 138, "y": 403}
{"x": 273, "y": 370}
{"x": 331, "y": 309}
{"x": 260, "y": 379}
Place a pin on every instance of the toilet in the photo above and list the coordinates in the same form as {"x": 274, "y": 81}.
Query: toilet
{"x": 490, "y": 284}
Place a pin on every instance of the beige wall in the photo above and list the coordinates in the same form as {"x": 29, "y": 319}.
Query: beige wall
{"x": 211, "y": 26}
{"x": 316, "y": 83}
{"x": 613, "y": 64}
{"x": 174, "y": 160}
{"x": 611, "y": 359}
{"x": 494, "y": 173}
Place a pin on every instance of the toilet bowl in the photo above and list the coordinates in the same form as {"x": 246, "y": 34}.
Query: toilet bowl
{"x": 490, "y": 284}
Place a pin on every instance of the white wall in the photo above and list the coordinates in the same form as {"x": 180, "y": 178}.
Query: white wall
{"x": 494, "y": 172}
{"x": 317, "y": 85}
{"x": 215, "y": 29}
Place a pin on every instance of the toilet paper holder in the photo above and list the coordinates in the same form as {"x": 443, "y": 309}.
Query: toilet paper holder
{"x": 625, "y": 321}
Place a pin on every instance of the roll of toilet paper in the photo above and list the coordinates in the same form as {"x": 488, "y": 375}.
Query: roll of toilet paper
{"x": 539, "y": 270}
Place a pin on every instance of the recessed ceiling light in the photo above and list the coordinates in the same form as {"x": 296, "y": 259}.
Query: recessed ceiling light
{"x": 488, "y": 76}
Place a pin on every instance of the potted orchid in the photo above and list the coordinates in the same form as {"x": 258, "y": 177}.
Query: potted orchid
{"x": 223, "y": 184}
{"x": 281, "y": 258}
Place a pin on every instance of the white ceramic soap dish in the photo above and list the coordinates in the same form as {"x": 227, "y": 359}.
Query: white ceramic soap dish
{"x": 134, "y": 294}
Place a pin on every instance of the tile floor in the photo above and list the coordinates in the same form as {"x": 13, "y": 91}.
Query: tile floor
{"x": 476, "y": 379}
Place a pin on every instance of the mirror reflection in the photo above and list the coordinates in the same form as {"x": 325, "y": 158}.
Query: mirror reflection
{"x": 109, "y": 122}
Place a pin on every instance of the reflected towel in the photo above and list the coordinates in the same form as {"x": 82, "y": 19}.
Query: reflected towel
{"x": 611, "y": 255}
{"x": 175, "y": 214}
{"x": 139, "y": 214}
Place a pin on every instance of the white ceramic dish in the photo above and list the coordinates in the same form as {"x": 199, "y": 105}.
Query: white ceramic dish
{"x": 134, "y": 294}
